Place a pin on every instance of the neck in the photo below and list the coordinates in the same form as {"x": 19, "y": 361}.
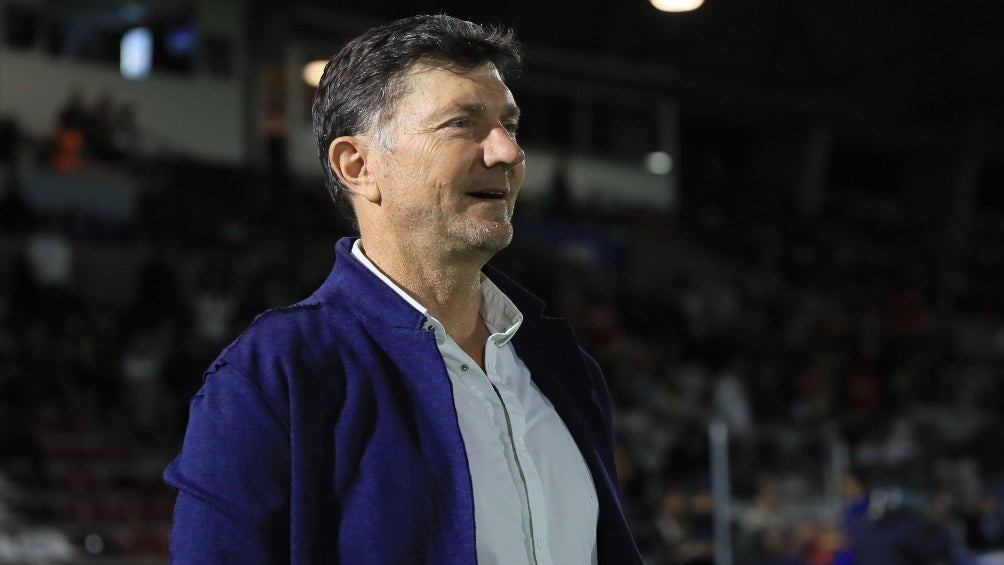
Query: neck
{"x": 448, "y": 287}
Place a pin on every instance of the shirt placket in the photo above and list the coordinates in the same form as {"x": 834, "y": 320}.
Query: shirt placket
{"x": 515, "y": 418}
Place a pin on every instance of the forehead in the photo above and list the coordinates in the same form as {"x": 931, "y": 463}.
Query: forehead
{"x": 432, "y": 86}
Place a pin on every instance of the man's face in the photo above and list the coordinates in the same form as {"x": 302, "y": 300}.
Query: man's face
{"x": 452, "y": 170}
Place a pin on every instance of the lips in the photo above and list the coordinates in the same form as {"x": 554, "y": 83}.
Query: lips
{"x": 488, "y": 194}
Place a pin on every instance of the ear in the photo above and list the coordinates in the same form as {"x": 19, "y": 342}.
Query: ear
{"x": 348, "y": 156}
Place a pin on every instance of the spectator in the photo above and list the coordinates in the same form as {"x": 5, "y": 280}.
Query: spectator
{"x": 683, "y": 522}
{"x": 159, "y": 297}
{"x": 21, "y": 455}
{"x": 66, "y": 145}
{"x": 51, "y": 256}
{"x": 51, "y": 262}
{"x": 67, "y": 142}
{"x": 10, "y": 141}
{"x": 16, "y": 217}
{"x": 213, "y": 303}
{"x": 764, "y": 514}
{"x": 774, "y": 546}
{"x": 142, "y": 369}
{"x": 984, "y": 525}
{"x": 101, "y": 136}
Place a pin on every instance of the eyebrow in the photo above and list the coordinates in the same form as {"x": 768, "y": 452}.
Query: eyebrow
{"x": 510, "y": 111}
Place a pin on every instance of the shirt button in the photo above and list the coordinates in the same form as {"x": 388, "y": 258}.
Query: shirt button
{"x": 464, "y": 367}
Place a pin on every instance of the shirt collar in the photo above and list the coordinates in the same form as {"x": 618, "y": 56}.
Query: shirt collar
{"x": 501, "y": 316}
{"x": 499, "y": 313}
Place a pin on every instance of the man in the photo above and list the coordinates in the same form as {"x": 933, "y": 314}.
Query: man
{"x": 417, "y": 408}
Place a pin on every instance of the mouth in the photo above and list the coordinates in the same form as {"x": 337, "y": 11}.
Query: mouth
{"x": 488, "y": 194}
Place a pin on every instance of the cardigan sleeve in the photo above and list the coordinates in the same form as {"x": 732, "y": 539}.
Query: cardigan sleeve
{"x": 232, "y": 475}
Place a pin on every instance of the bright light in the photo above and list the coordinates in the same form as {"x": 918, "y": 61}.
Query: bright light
{"x": 312, "y": 72}
{"x": 136, "y": 53}
{"x": 659, "y": 163}
{"x": 677, "y": 5}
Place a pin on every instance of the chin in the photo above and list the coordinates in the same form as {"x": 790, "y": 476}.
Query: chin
{"x": 490, "y": 239}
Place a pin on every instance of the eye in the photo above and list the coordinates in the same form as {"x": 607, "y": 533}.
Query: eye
{"x": 460, "y": 122}
{"x": 511, "y": 126}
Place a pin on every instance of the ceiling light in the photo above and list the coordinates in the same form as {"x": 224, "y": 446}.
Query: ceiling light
{"x": 312, "y": 72}
{"x": 677, "y": 5}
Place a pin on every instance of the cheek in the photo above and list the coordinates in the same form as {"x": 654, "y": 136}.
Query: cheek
{"x": 407, "y": 176}
{"x": 434, "y": 168}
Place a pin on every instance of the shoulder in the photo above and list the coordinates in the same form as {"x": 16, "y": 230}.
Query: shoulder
{"x": 281, "y": 368}
{"x": 287, "y": 341}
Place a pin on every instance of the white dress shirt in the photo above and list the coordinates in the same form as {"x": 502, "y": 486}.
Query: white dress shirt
{"x": 534, "y": 499}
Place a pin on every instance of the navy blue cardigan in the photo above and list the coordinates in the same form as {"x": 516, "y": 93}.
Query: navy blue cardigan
{"x": 326, "y": 433}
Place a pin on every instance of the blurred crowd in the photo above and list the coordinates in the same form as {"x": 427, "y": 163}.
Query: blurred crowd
{"x": 854, "y": 361}
{"x": 855, "y": 364}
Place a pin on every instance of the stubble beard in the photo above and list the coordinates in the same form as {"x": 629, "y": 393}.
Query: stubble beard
{"x": 484, "y": 238}
{"x": 491, "y": 238}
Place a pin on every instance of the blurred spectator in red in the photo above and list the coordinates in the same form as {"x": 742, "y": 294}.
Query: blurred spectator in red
{"x": 66, "y": 148}
{"x": 66, "y": 144}
{"x": 825, "y": 545}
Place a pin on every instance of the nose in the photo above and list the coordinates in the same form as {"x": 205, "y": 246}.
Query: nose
{"x": 500, "y": 148}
